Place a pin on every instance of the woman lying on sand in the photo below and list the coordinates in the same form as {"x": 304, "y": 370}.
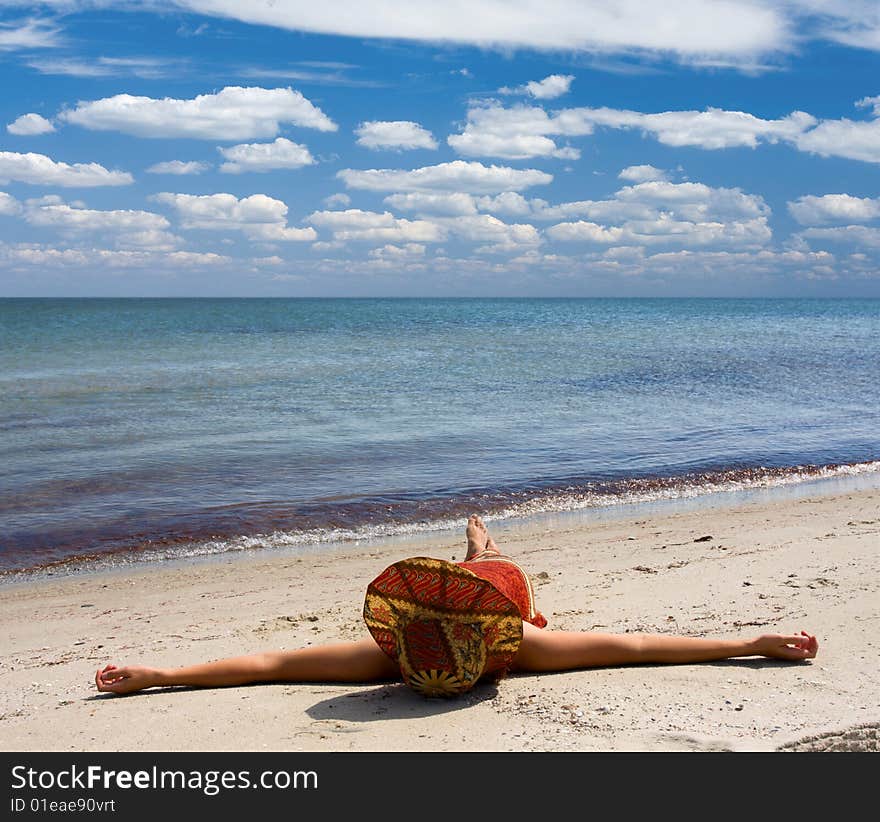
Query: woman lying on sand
{"x": 441, "y": 626}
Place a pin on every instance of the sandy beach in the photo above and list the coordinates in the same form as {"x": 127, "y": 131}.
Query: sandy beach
{"x": 774, "y": 563}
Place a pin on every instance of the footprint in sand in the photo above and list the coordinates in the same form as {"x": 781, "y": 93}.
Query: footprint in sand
{"x": 859, "y": 738}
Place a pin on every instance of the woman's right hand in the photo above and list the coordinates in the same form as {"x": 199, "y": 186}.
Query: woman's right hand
{"x": 126, "y": 680}
{"x": 791, "y": 647}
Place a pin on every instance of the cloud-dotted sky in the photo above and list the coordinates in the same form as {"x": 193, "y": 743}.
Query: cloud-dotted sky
{"x": 691, "y": 147}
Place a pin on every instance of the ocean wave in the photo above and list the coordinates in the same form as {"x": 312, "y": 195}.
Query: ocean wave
{"x": 401, "y": 518}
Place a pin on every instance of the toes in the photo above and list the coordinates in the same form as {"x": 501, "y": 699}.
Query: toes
{"x": 474, "y": 521}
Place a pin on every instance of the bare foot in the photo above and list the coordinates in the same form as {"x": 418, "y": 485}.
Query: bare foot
{"x": 477, "y": 537}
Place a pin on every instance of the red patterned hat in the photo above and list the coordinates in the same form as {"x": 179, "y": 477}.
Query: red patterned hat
{"x": 442, "y": 624}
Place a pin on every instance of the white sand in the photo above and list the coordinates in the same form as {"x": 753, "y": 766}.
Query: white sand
{"x": 775, "y": 564}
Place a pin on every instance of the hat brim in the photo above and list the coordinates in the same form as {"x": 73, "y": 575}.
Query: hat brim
{"x": 442, "y": 624}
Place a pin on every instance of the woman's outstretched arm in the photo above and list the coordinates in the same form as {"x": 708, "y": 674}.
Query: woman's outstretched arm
{"x": 543, "y": 650}
{"x": 540, "y": 650}
{"x": 361, "y": 661}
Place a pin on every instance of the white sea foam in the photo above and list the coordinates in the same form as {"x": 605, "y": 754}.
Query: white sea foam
{"x": 673, "y": 489}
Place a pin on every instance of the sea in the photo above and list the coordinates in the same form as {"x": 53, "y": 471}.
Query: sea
{"x": 137, "y": 430}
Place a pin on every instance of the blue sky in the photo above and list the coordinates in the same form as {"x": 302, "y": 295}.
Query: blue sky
{"x": 212, "y": 147}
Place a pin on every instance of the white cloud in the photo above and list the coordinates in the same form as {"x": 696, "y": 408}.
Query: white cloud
{"x": 687, "y": 214}
{"x": 409, "y": 257}
{"x": 723, "y": 33}
{"x": 853, "y": 23}
{"x": 513, "y": 147}
{"x": 265, "y": 156}
{"x": 749, "y": 233}
{"x": 152, "y": 240}
{"x": 398, "y": 253}
{"x": 258, "y": 216}
{"x": 736, "y": 30}
{"x": 723, "y": 265}
{"x": 511, "y": 204}
{"x": 555, "y": 85}
{"x": 141, "y": 230}
{"x": 606, "y": 210}
{"x": 520, "y": 132}
{"x": 642, "y": 174}
{"x": 695, "y": 201}
{"x": 38, "y": 255}
{"x": 500, "y": 236}
{"x": 9, "y": 206}
{"x": 469, "y": 177}
{"x": 394, "y": 134}
{"x": 178, "y": 167}
{"x": 275, "y": 232}
{"x": 352, "y": 218}
{"x": 834, "y": 208}
{"x": 646, "y": 201}
{"x": 852, "y": 139}
{"x": 516, "y": 133}
{"x": 710, "y": 129}
{"x": 147, "y": 68}
{"x": 85, "y": 219}
{"x": 322, "y": 246}
{"x": 445, "y": 215}
{"x": 870, "y": 102}
{"x": 339, "y": 199}
{"x": 373, "y": 226}
{"x": 234, "y": 113}
{"x": 42, "y": 256}
{"x": 69, "y": 66}
{"x": 29, "y": 34}
{"x": 860, "y": 235}
{"x": 38, "y": 169}
{"x": 583, "y": 231}
{"x": 320, "y": 72}
{"x": 219, "y": 212}
{"x": 196, "y": 258}
{"x": 661, "y": 269}
{"x": 30, "y": 124}
{"x": 47, "y": 199}
{"x": 455, "y": 204}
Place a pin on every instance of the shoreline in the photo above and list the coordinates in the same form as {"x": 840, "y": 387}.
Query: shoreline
{"x": 775, "y": 564}
{"x": 794, "y": 482}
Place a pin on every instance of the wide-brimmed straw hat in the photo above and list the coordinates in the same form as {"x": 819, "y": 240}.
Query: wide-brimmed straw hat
{"x": 442, "y": 624}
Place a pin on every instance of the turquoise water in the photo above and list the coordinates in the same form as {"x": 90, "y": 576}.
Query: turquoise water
{"x": 198, "y": 425}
